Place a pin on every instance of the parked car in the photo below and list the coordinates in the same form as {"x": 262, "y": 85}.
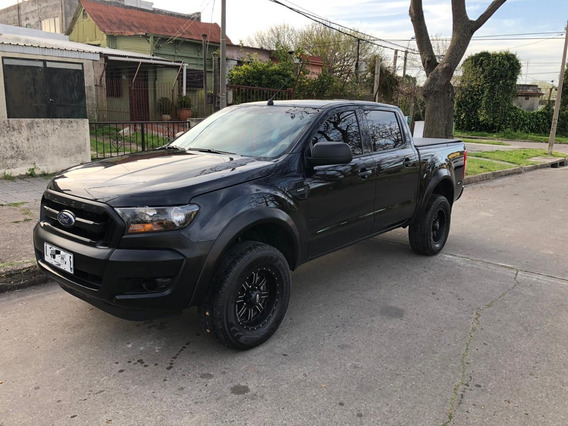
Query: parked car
{"x": 219, "y": 217}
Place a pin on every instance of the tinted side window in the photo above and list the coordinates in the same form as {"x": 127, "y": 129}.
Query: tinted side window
{"x": 341, "y": 127}
{"x": 384, "y": 130}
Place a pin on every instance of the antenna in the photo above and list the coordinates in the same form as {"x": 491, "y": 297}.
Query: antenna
{"x": 271, "y": 100}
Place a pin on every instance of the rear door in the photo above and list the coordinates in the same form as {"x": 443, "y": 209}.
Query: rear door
{"x": 341, "y": 197}
{"x": 397, "y": 168}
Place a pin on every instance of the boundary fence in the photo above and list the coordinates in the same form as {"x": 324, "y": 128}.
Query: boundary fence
{"x": 111, "y": 139}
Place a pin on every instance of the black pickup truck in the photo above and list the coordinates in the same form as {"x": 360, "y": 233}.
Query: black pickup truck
{"x": 219, "y": 217}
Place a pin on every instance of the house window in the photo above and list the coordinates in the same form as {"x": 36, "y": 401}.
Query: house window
{"x": 44, "y": 89}
{"x": 113, "y": 83}
{"x": 51, "y": 25}
{"x": 193, "y": 79}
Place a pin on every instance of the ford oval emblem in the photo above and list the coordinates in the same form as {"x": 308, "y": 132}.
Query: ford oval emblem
{"x": 66, "y": 218}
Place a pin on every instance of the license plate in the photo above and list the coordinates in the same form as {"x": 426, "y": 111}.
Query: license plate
{"x": 58, "y": 257}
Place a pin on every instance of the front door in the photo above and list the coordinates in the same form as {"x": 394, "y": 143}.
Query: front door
{"x": 138, "y": 96}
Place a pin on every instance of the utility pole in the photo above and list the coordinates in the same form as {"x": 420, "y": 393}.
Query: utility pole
{"x": 558, "y": 95}
{"x": 204, "y": 48}
{"x": 404, "y": 66}
{"x": 215, "y": 57}
{"x": 223, "y": 59}
{"x": 357, "y": 60}
{"x": 377, "y": 77}
{"x": 394, "y": 62}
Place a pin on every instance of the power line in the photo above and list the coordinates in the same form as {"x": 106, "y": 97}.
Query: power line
{"x": 343, "y": 29}
{"x": 503, "y": 37}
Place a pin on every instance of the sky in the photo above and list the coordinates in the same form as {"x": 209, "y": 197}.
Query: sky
{"x": 532, "y": 29}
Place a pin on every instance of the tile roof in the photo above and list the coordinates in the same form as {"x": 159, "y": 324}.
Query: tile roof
{"x": 113, "y": 19}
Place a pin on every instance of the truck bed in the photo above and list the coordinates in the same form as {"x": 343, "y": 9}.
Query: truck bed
{"x": 420, "y": 142}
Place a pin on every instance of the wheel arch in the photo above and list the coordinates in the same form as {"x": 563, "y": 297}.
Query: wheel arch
{"x": 268, "y": 225}
{"x": 441, "y": 183}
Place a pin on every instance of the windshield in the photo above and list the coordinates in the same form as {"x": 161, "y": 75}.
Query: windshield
{"x": 255, "y": 131}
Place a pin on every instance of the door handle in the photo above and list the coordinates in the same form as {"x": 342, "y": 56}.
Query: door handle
{"x": 407, "y": 162}
{"x": 364, "y": 173}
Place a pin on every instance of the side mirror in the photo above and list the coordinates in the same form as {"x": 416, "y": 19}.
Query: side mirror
{"x": 326, "y": 153}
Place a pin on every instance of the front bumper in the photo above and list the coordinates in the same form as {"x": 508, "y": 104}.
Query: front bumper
{"x": 149, "y": 277}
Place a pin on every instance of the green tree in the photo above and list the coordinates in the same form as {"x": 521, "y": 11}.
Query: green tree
{"x": 339, "y": 52}
{"x": 487, "y": 89}
{"x": 271, "y": 75}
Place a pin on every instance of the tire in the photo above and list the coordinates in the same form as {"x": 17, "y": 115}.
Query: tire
{"x": 429, "y": 233}
{"x": 250, "y": 296}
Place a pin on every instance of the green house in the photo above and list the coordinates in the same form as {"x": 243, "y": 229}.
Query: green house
{"x": 136, "y": 90}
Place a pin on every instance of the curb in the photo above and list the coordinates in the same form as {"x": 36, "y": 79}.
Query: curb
{"x": 560, "y": 162}
{"x": 18, "y": 279}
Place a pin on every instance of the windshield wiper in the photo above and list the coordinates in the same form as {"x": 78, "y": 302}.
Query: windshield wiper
{"x": 177, "y": 148}
{"x": 210, "y": 151}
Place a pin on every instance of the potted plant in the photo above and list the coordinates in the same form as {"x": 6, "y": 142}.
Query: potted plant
{"x": 183, "y": 105}
{"x": 165, "y": 108}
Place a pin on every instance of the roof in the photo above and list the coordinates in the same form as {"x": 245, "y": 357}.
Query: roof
{"x": 115, "y": 19}
{"x": 15, "y": 40}
{"x": 317, "y": 103}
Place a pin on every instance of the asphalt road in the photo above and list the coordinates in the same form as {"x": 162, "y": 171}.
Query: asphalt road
{"x": 374, "y": 335}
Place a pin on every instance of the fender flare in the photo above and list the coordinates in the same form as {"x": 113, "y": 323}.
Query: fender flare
{"x": 241, "y": 223}
{"x": 440, "y": 176}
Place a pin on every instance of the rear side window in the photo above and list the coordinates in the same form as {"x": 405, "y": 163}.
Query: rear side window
{"x": 341, "y": 127}
{"x": 384, "y": 130}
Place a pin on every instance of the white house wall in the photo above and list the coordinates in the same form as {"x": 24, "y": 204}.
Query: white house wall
{"x": 46, "y": 145}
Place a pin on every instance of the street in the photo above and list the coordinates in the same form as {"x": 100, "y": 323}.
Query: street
{"x": 374, "y": 334}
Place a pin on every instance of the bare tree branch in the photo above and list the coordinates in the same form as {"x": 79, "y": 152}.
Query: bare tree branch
{"x": 491, "y": 9}
{"x": 429, "y": 61}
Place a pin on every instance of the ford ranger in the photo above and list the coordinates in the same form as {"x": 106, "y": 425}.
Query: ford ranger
{"x": 219, "y": 217}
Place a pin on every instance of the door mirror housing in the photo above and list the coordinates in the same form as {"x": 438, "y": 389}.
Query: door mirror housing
{"x": 326, "y": 153}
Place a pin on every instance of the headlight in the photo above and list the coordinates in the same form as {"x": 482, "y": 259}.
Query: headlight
{"x": 151, "y": 219}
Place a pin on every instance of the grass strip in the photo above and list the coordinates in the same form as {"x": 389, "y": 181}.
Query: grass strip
{"x": 510, "y": 135}
{"x": 476, "y": 166}
{"x": 518, "y": 157}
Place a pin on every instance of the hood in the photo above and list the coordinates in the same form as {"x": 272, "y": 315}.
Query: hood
{"x": 163, "y": 177}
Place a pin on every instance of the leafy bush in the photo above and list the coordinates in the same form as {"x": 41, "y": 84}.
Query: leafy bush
{"x": 164, "y": 105}
{"x": 183, "y": 102}
{"x": 486, "y": 91}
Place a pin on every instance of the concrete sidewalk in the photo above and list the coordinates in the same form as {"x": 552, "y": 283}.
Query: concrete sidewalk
{"x": 20, "y": 203}
{"x": 19, "y": 212}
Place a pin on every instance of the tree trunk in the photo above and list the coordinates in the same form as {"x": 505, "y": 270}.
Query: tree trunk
{"x": 439, "y": 119}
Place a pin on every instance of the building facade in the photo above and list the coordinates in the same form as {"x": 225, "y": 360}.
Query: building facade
{"x": 45, "y": 15}
{"x": 174, "y": 36}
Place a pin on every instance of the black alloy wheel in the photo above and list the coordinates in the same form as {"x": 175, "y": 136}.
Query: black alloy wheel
{"x": 257, "y": 299}
{"x": 250, "y": 296}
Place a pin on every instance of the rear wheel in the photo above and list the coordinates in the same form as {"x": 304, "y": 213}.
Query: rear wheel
{"x": 429, "y": 233}
{"x": 250, "y": 296}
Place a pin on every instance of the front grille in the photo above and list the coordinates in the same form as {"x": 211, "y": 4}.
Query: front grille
{"x": 93, "y": 224}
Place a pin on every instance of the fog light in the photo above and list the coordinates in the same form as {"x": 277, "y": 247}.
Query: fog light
{"x": 148, "y": 285}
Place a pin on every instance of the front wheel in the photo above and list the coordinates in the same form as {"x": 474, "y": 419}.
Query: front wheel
{"x": 250, "y": 296}
{"x": 429, "y": 233}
